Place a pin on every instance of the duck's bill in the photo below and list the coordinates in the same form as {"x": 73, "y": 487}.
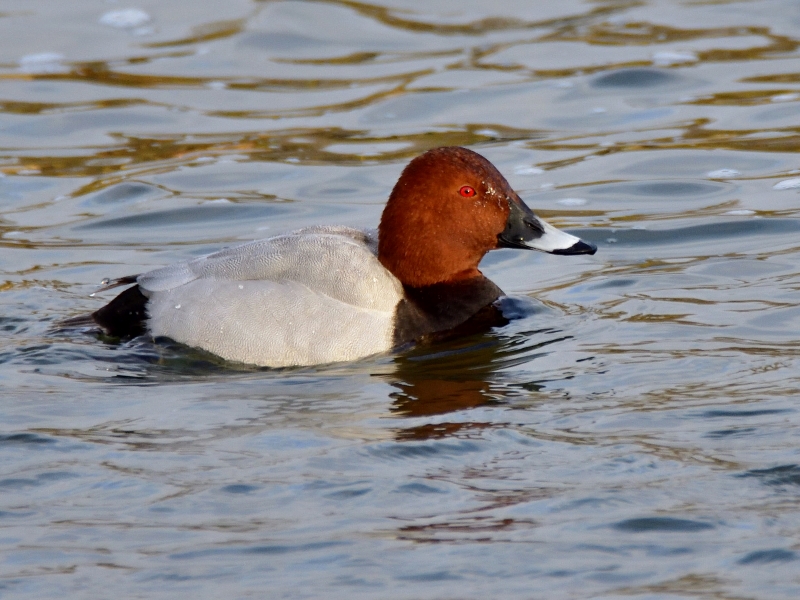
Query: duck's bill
{"x": 555, "y": 241}
{"x": 525, "y": 230}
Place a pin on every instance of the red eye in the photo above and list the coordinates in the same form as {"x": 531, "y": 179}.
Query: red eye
{"x": 467, "y": 191}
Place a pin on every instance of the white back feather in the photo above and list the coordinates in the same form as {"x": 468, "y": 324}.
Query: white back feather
{"x": 312, "y": 296}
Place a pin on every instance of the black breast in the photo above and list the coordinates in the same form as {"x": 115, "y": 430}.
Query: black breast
{"x": 447, "y": 309}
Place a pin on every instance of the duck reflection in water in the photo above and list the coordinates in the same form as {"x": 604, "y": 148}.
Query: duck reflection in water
{"x": 462, "y": 374}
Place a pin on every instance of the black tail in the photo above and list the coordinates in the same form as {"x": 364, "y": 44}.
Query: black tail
{"x": 124, "y": 316}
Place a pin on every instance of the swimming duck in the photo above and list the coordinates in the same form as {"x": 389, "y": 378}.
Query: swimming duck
{"x": 327, "y": 294}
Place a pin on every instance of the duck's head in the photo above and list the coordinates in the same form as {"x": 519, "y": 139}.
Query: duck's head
{"x": 449, "y": 208}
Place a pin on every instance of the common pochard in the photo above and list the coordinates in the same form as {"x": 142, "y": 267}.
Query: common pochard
{"x": 327, "y": 294}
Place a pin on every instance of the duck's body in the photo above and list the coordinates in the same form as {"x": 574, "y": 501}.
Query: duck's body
{"x": 329, "y": 294}
{"x": 313, "y": 296}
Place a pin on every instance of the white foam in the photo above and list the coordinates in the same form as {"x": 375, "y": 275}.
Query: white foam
{"x": 787, "y": 184}
{"x": 665, "y": 59}
{"x": 743, "y": 212}
{"x": 572, "y": 202}
{"x": 526, "y": 170}
{"x": 722, "y": 173}
{"x": 125, "y": 18}
{"x": 41, "y": 57}
{"x": 42, "y": 62}
{"x": 790, "y": 97}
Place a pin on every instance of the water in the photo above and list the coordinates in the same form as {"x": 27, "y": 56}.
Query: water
{"x": 633, "y": 433}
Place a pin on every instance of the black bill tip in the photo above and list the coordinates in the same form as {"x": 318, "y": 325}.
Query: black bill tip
{"x": 579, "y": 247}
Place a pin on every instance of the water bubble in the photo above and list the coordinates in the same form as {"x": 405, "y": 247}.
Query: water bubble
{"x": 177, "y": 306}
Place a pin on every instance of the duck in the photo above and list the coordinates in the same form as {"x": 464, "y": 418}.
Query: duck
{"x": 328, "y": 294}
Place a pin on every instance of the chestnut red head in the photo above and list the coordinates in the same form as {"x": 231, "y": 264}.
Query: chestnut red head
{"x": 448, "y": 209}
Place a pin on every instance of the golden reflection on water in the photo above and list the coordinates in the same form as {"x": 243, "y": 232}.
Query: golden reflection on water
{"x": 166, "y": 153}
{"x": 592, "y": 28}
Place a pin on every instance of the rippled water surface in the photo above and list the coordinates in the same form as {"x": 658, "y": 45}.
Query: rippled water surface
{"x": 632, "y": 433}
